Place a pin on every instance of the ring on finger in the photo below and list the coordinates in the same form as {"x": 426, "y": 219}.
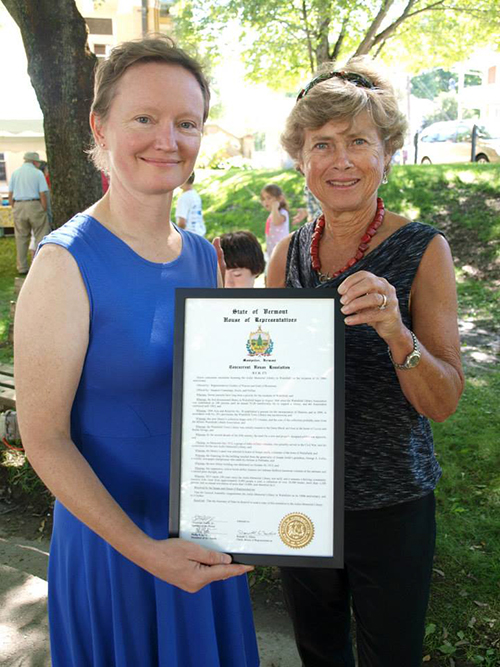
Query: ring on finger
{"x": 383, "y": 305}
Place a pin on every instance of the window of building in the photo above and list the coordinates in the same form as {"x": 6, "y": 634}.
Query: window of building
{"x": 3, "y": 172}
{"x": 165, "y": 8}
{"x": 472, "y": 78}
{"x": 100, "y": 26}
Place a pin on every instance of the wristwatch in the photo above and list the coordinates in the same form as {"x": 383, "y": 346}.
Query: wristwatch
{"x": 412, "y": 360}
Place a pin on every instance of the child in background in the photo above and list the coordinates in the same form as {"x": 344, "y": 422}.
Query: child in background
{"x": 188, "y": 212}
{"x": 244, "y": 258}
{"x": 277, "y": 224}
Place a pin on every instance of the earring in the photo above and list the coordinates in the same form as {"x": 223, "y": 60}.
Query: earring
{"x": 102, "y": 146}
{"x": 384, "y": 178}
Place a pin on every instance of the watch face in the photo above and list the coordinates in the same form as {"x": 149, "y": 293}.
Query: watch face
{"x": 412, "y": 360}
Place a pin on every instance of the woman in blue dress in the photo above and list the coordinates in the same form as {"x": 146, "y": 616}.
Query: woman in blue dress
{"x": 94, "y": 332}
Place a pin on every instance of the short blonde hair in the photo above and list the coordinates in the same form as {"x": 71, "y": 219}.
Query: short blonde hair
{"x": 337, "y": 98}
{"x": 154, "y": 48}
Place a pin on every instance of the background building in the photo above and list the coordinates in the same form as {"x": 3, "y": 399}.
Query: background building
{"x": 109, "y": 22}
{"x": 485, "y": 97}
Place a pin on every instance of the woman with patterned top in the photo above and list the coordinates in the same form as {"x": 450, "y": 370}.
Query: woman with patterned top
{"x": 397, "y": 286}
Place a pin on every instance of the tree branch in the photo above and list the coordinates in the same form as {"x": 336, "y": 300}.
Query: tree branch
{"x": 407, "y": 14}
{"x": 338, "y": 44}
{"x": 368, "y": 40}
{"x": 440, "y": 7}
{"x": 379, "y": 50}
{"x": 308, "y": 36}
{"x": 13, "y": 8}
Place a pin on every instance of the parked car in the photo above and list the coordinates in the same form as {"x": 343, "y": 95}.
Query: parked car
{"x": 451, "y": 141}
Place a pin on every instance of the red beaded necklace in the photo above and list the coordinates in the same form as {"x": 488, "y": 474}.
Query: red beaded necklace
{"x": 362, "y": 248}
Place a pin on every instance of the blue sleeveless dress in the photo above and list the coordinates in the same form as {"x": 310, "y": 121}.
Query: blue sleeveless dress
{"x": 104, "y": 611}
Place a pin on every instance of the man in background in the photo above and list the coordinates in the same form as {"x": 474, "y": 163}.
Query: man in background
{"x": 28, "y": 198}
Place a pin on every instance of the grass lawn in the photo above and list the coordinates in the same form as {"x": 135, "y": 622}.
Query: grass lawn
{"x": 7, "y": 274}
{"x": 464, "y": 614}
{"x": 463, "y": 626}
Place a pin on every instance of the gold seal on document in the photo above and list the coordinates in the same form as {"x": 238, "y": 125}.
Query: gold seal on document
{"x": 296, "y": 530}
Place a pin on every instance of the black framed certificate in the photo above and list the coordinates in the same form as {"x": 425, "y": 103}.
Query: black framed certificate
{"x": 257, "y": 462}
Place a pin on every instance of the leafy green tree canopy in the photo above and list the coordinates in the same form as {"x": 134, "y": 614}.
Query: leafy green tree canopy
{"x": 286, "y": 40}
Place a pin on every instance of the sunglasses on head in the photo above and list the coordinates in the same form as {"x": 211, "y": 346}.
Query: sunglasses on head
{"x": 352, "y": 77}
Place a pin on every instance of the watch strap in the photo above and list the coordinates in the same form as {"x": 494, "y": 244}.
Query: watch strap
{"x": 412, "y": 359}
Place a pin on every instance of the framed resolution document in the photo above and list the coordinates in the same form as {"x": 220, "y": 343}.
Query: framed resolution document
{"x": 257, "y": 464}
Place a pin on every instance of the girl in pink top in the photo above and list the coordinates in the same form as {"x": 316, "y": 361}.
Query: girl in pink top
{"x": 277, "y": 224}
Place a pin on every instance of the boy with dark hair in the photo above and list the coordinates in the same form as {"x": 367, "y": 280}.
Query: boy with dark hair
{"x": 244, "y": 258}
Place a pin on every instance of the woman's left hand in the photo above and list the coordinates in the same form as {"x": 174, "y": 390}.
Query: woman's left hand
{"x": 368, "y": 299}
{"x": 433, "y": 387}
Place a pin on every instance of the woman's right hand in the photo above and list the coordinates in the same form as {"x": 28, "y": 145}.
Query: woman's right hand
{"x": 187, "y": 565}
{"x": 54, "y": 303}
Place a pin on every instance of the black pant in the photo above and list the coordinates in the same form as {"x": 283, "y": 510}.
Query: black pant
{"x": 387, "y": 573}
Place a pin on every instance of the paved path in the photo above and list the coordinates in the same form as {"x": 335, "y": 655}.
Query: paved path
{"x": 23, "y": 612}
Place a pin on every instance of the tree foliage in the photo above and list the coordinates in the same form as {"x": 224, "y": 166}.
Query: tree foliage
{"x": 446, "y": 108}
{"x": 61, "y": 68}
{"x": 428, "y": 85}
{"x": 286, "y": 40}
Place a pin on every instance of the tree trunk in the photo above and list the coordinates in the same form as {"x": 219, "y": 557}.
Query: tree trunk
{"x": 322, "y": 45}
{"x": 322, "y": 34}
{"x": 61, "y": 68}
{"x": 308, "y": 35}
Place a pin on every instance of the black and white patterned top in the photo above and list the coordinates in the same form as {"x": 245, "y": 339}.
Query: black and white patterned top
{"x": 389, "y": 451}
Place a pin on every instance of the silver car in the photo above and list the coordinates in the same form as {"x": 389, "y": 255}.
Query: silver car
{"x": 451, "y": 141}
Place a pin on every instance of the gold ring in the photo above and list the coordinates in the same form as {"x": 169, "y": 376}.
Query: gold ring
{"x": 383, "y": 305}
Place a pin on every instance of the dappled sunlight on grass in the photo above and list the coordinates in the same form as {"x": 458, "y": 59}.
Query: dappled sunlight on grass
{"x": 473, "y": 430}
{"x": 478, "y": 381}
{"x": 477, "y": 298}
{"x": 12, "y": 459}
{"x": 468, "y": 497}
{"x": 411, "y": 212}
{"x": 464, "y": 176}
{"x": 464, "y": 601}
